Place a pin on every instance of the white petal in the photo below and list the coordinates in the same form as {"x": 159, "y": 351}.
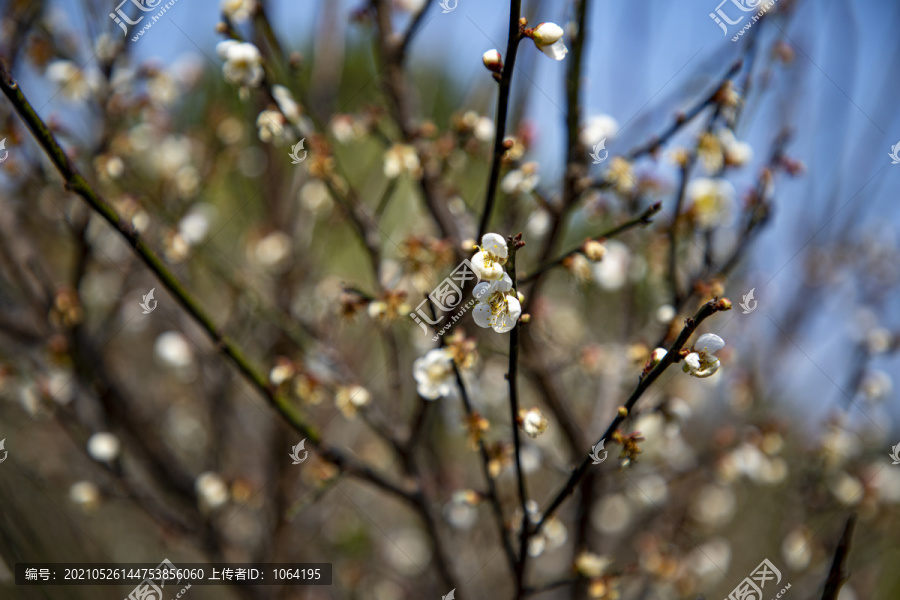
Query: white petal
{"x": 481, "y": 289}
{"x": 692, "y": 360}
{"x": 709, "y": 343}
{"x": 547, "y": 33}
{"x": 506, "y": 320}
{"x": 482, "y": 315}
{"x": 710, "y": 368}
{"x": 428, "y": 390}
{"x": 503, "y": 284}
{"x": 556, "y": 51}
{"x": 495, "y": 244}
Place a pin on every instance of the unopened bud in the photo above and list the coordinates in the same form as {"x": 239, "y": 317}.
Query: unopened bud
{"x": 525, "y": 318}
{"x": 623, "y": 412}
{"x": 594, "y": 250}
{"x": 723, "y": 304}
{"x": 492, "y": 60}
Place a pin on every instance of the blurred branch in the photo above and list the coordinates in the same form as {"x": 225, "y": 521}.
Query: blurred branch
{"x": 672, "y": 355}
{"x": 512, "y": 48}
{"x": 837, "y": 576}
{"x": 74, "y": 182}
{"x": 641, "y": 219}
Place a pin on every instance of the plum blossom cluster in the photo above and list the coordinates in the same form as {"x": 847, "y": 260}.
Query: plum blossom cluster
{"x": 497, "y": 308}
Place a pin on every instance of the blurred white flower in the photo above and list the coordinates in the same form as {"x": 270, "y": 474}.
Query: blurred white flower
{"x": 548, "y": 39}
{"x": 650, "y": 490}
{"x": 399, "y": 159}
{"x": 273, "y": 252}
{"x": 243, "y": 63}
{"x": 702, "y": 362}
{"x": 77, "y": 83}
{"x": 847, "y": 490}
{"x": 434, "y": 374}
{"x": 410, "y": 6}
{"x": 212, "y": 492}
{"x": 736, "y": 153}
{"x": 173, "y": 349}
{"x": 598, "y": 128}
{"x": 665, "y": 314}
{"x": 522, "y": 180}
{"x": 612, "y": 514}
{"x": 711, "y": 200}
{"x": 496, "y": 308}
{"x": 714, "y": 505}
{"x": 591, "y": 565}
{"x": 490, "y": 256}
{"x": 273, "y": 128}
{"x": 103, "y": 447}
{"x": 484, "y": 129}
{"x": 194, "y": 226}
{"x": 611, "y": 272}
{"x": 876, "y": 385}
{"x": 533, "y": 421}
{"x": 286, "y": 102}
{"x": 879, "y": 340}
{"x": 85, "y": 494}
{"x": 349, "y": 399}
{"x": 238, "y": 11}
{"x": 796, "y": 548}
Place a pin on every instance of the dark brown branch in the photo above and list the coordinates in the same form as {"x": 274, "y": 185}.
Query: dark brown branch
{"x": 512, "y": 48}
{"x": 837, "y": 576}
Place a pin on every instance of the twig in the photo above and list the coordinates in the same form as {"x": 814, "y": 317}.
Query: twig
{"x": 641, "y": 219}
{"x": 837, "y": 576}
{"x": 512, "y": 376}
{"x": 672, "y": 356}
{"x": 512, "y": 48}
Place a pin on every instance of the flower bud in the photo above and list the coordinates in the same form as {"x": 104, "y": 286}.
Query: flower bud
{"x": 492, "y": 60}
{"x": 723, "y": 304}
{"x": 547, "y": 33}
{"x": 594, "y": 250}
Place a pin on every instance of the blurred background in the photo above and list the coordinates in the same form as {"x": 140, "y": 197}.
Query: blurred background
{"x": 132, "y": 438}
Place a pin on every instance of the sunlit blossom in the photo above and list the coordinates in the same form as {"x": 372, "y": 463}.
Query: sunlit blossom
{"x": 702, "y": 361}
{"x": 491, "y": 256}
{"x": 434, "y": 374}
{"x": 497, "y": 308}
{"x": 548, "y": 39}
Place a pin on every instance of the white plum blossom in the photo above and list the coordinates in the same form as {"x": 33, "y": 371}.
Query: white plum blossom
{"x": 399, "y": 159}
{"x": 712, "y": 200}
{"x": 238, "y": 10}
{"x": 434, "y": 374}
{"x": 103, "y": 447}
{"x": 598, "y": 128}
{"x": 548, "y": 39}
{"x": 522, "y": 180}
{"x": 487, "y": 262}
{"x": 77, "y": 83}
{"x": 702, "y": 361}
{"x": 243, "y": 63}
{"x": 533, "y": 421}
{"x": 612, "y": 272}
{"x": 212, "y": 491}
{"x": 273, "y": 128}
{"x": 496, "y": 308}
{"x": 735, "y": 153}
{"x": 286, "y": 103}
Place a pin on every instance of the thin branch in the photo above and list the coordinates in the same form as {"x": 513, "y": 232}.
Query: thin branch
{"x": 837, "y": 576}
{"x": 642, "y": 219}
{"x": 512, "y": 48}
{"x": 672, "y": 355}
